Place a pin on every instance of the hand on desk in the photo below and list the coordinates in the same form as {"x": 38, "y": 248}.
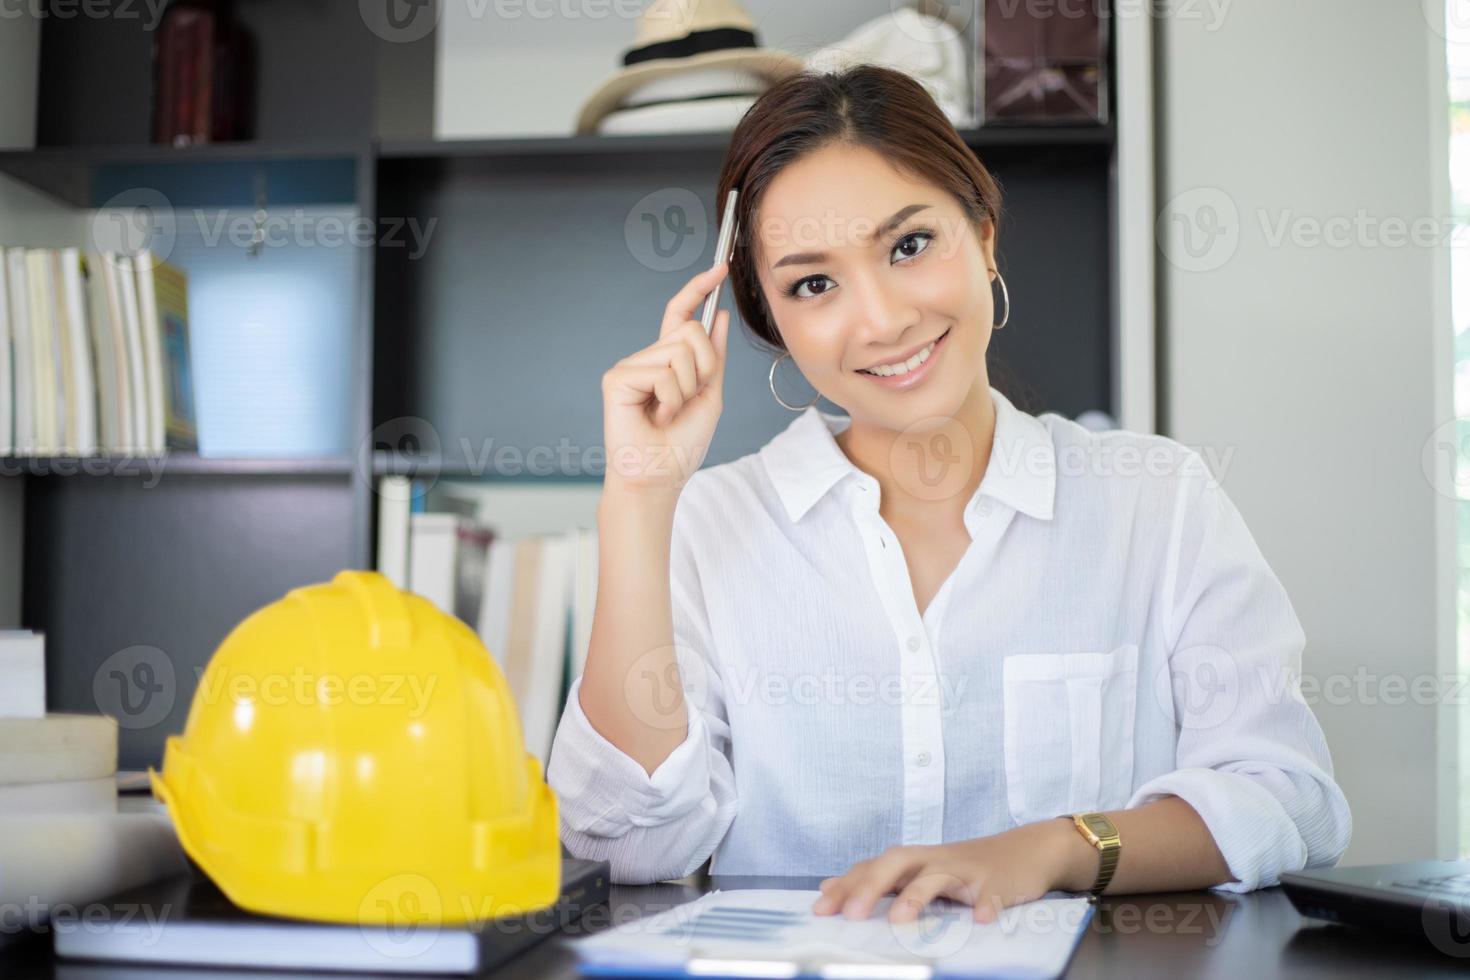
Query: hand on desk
{"x": 988, "y": 873}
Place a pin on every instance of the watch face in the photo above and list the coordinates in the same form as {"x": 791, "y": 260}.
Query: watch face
{"x": 1099, "y": 825}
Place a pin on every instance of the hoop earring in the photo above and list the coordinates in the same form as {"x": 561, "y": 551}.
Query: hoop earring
{"x": 793, "y": 408}
{"x": 1005, "y": 295}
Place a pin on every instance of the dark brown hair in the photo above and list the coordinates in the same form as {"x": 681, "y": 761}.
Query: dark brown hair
{"x": 864, "y": 106}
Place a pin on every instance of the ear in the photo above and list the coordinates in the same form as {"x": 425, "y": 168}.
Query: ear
{"x": 988, "y": 239}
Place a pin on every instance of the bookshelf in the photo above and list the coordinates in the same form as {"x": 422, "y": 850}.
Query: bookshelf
{"x": 446, "y": 349}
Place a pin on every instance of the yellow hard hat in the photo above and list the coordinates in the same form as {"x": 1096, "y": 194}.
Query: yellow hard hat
{"x": 353, "y": 754}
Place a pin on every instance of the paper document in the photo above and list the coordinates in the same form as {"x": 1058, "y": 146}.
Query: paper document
{"x": 774, "y": 933}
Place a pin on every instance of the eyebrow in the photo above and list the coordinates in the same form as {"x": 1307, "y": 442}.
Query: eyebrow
{"x": 799, "y": 258}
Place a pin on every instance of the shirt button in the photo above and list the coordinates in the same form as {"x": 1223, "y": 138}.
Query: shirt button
{"x": 923, "y": 758}
{"x": 984, "y": 507}
{"x": 913, "y": 643}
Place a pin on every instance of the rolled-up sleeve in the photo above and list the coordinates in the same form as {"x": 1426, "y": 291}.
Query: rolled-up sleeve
{"x": 1251, "y": 757}
{"x": 663, "y": 825}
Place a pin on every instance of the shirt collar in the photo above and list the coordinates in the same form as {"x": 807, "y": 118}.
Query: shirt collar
{"x": 804, "y": 461}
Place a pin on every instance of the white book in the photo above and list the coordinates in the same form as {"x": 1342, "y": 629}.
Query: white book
{"x": 137, "y": 372}
{"x": 113, "y": 277}
{"x": 101, "y": 312}
{"x": 541, "y": 701}
{"x": 152, "y": 337}
{"x": 82, "y": 407}
{"x": 584, "y": 599}
{"x": 63, "y": 796}
{"x": 42, "y": 300}
{"x": 7, "y": 386}
{"x": 395, "y": 503}
{"x": 431, "y": 557}
{"x": 63, "y": 358}
{"x": 499, "y": 582}
{"x": 21, "y": 367}
{"x": 23, "y": 670}
{"x": 58, "y": 746}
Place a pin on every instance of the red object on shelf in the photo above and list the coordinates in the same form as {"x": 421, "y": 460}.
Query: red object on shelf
{"x": 202, "y": 72}
{"x": 1043, "y": 64}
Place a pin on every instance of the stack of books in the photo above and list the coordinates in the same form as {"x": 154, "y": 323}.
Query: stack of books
{"x": 64, "y": 840}
{"x": 529, "y": 596}
{"x": 94, "y": 354}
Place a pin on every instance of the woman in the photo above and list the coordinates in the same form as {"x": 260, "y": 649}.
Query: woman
{"x": 904, "y": 648}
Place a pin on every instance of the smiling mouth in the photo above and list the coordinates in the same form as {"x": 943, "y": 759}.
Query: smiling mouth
{"x": 899, "y": 368}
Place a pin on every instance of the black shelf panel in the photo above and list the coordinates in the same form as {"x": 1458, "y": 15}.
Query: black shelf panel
{"x": 124, "y": 465}
{"x": 710, "y": 141}
{"x": 216, "y": 174}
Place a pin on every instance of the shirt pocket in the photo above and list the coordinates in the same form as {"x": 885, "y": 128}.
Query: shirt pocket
{"x": 1068, "y": 731}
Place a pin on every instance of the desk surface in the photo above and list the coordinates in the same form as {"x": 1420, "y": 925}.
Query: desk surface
{"x": 1256, "y": 936}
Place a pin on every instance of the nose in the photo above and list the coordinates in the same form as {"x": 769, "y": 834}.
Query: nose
{"x": 883, "y": 312}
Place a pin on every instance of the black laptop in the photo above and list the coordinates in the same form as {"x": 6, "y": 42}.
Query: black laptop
{"x": 1427, "y": 899}
{"x": 186, "y": 920}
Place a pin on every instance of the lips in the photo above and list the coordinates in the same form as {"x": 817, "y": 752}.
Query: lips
{"x": 906, "y": 363}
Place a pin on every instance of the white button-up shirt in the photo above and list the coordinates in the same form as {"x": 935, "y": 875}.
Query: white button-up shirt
{"x": 1111, "y": 635}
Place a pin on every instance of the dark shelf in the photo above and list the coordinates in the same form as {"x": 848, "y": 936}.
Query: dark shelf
{"x": 298, "y": 172}
{"x": 177, "y": 463}
{"x": 694, "y": 142}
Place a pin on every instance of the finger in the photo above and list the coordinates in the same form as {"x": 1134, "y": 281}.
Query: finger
{"x": 692, "y": 336}
{"x": 882, "y": 879}
{"x": 670, "y": 396}
{"x": 680, "y": 358}
{"x": 685, "y": 304}
{"x": 924, "y": 887}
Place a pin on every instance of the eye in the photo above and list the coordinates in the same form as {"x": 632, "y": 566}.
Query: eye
{"x": 795, "y": 289}
{"x": 910, "y": 239}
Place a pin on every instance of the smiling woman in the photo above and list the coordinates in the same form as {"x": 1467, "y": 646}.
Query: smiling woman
{"x": 984, "y": 642}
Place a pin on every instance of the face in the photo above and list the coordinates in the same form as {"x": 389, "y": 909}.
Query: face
{"x": 858, "y": 296}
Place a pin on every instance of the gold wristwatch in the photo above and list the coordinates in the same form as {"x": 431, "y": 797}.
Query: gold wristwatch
{"x": 1100, "y": 832}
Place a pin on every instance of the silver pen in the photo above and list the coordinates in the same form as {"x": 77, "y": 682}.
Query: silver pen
{"x": 724, "y": 246}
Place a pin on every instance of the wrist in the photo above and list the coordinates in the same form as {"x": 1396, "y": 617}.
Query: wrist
{"x": 1075, "y": 862}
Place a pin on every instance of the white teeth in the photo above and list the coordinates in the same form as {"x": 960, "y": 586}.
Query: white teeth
{"x": 902, "y": 367}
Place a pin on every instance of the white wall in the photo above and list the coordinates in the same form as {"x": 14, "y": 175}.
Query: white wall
{"x": 1323, "y": 368}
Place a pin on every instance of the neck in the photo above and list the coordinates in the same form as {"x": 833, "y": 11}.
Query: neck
{"x": 928, "y": 473}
